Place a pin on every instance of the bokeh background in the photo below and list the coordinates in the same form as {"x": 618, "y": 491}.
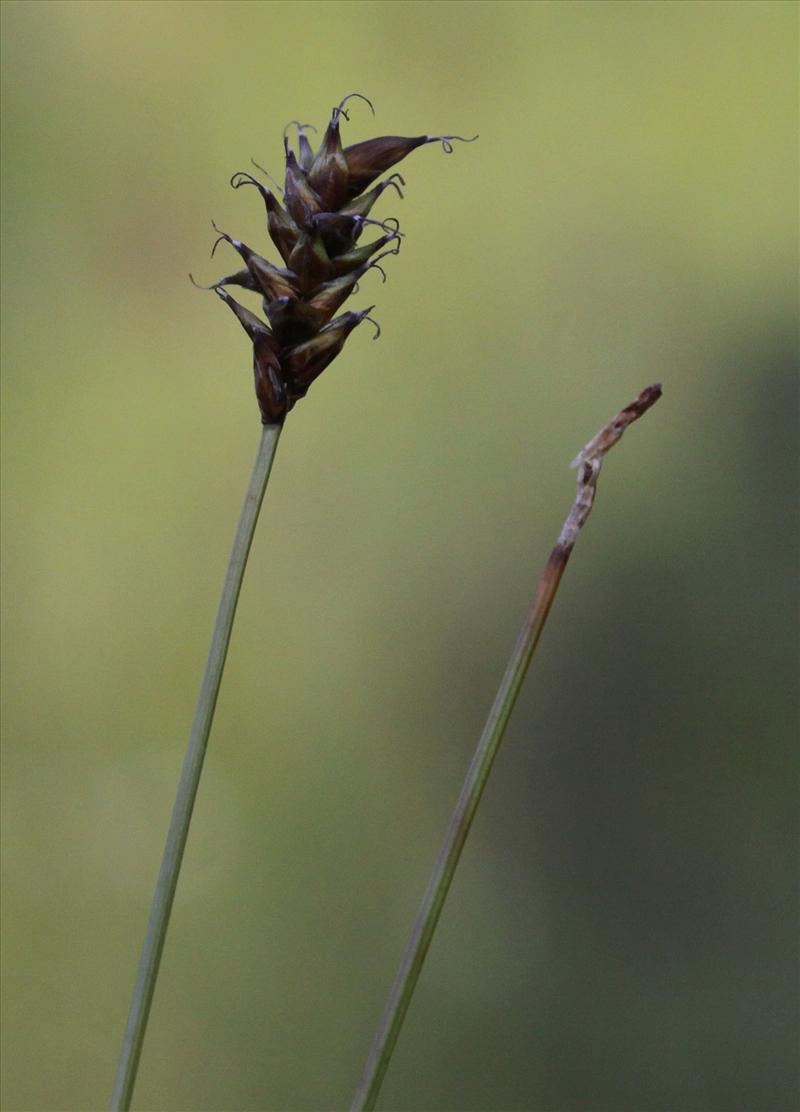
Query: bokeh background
{"x": 622, "y": 934}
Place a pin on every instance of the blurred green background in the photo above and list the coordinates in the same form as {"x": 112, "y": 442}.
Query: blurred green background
{"x": 622, "y": 934}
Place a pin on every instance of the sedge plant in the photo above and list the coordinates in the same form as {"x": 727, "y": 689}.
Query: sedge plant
{"x": 316, "y": 226}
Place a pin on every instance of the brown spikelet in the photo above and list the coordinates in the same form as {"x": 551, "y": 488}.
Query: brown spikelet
{"x": 316, "y": 231}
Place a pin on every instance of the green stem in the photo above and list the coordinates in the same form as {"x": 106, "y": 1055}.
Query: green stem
{"x": 588, "y": 462}
{"x": 190, "y": 778}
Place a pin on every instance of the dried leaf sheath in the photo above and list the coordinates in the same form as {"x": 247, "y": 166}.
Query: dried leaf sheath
{"x": 316, "y": 230}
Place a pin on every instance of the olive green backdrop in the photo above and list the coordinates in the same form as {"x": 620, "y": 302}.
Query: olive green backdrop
{"x": 622, "y": 933}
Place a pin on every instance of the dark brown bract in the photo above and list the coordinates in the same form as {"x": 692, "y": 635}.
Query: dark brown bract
{"x": 327, "y": 200}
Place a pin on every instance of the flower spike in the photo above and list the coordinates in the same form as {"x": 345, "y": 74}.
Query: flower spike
{"x": 315, "y": 225}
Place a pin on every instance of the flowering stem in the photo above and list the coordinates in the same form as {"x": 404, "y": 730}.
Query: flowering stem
{"x": 588, "y": 462}
{"x": 190, "y": 778}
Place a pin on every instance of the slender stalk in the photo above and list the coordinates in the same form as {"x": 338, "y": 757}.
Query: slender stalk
{"x": 588, "y": 462}
{"x": 190, "y": 778}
